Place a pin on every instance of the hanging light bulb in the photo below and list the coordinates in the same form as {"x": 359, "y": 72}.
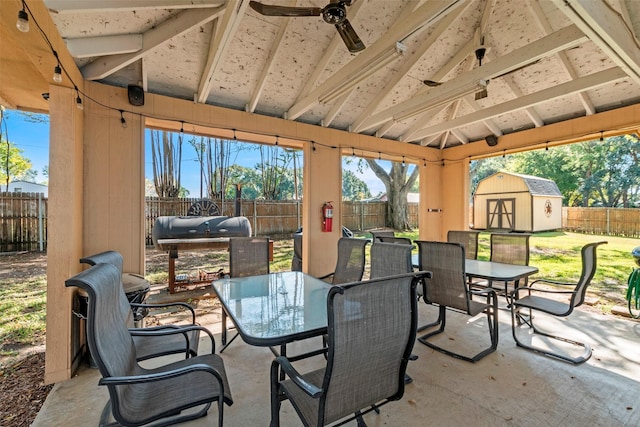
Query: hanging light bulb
{"x": 57, "y": 74}
{"x": 23, "y": 20}
{"x": 79, "y": 103}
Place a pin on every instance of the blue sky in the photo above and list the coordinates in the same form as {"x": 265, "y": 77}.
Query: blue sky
{"x": 33, "y": 139}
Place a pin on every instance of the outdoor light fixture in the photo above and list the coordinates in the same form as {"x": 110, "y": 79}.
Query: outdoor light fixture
{"x": 79, "y": 104}
{"x": 492, "y": 141}
{"x": 23, "y": 20}
{"x": 57, "y": 74}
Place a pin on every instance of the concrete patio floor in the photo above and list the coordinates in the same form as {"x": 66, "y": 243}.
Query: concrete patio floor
{"x": 510, "y": 387}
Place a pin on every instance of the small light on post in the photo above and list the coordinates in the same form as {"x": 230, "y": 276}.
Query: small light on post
{"x": 57, "y": 74}
{"x": 23, "y": 20}
{"x": 79, "y": 104}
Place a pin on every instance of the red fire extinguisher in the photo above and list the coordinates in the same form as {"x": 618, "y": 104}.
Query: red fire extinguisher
{"x": 327, "y": 216}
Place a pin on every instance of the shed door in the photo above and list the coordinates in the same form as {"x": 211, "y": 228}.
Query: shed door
{"x": 501, "y": 214}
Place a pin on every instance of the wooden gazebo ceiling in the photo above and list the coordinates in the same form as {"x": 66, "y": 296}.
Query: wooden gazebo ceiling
{"x": 545, "y": 61}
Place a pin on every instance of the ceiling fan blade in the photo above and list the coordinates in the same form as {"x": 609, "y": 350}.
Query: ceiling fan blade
{"x": 349, "y": 36}
{"x": 272, "y": 10}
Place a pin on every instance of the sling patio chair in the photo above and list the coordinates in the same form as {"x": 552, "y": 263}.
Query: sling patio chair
{"x": 376, "y": 234}
{"x": 248, "y": 256}
{"x": 372, "y": 329}
{"x": 554, "y": 298}
{"x": 390, "y": 259}
{"x": 397, "y": 240}
{"x": 138, "y": 395}
{"x": 448, "y": 289}
{"x": 506, "y": 248}
{"x": 468, "y": 239}
{"x": 147, "y": 341}
{"x": 351, "y": 261}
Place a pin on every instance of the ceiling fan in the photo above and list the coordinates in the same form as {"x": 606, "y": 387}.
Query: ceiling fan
{"x": 333, "y": 13}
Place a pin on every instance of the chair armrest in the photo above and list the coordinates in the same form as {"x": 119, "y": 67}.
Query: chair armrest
{"x": 551, "y": 282}
{"x": 164, "y": 330}
{"x": 489, "y": 292}
{"x": 169, "y": 304}
{"x": 298, "y": 379}
{"x": 515, "y": 292}
{"x": 160, "y": 376}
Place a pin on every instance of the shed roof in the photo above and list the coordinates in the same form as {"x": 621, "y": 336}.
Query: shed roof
{"x": 538, "y": 186}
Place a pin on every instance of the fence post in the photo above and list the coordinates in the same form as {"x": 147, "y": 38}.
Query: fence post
{"x": 255, "y": 219}
{"x": 607, "y": 220}
{"x": 361, "y": 215}
{"x": 40, "y": 233}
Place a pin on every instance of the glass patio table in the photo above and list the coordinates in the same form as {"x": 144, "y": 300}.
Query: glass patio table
{"x": 276, "y": 308}
{"x": 492, "y": 271}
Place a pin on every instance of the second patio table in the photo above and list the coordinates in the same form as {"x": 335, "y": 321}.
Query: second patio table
{"x": 492, "y": 271}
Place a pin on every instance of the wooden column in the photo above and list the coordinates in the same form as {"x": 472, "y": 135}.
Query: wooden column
{"x": 64, "y": 226}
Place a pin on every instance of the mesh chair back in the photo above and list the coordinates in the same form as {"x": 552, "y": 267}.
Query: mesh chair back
{"x": 381, "y": 233}
{"x": 372, "y": 328}
{"x": 351, "y": 260}
{"x": 114, "y": 258}
{"x": 248, "y": 256}
{"x": 390, "y": 259}
{"x": 510, "y": 248}
{"x": 396, "y": 240}
{"x": 447, "y": 286}
{"x": 589, "y": 263}
{"x": 468, "y": 239}
{"x": 109, "y": 339}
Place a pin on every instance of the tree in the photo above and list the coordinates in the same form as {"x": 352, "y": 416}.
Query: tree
{"x": 272, "y": 171}
{"x": 353, "y": 188}
{"x": 167, "y": 158}
{"x": 13, "y": 165}
{"x": 555, "y": 164}
{"x": 483, "y": 168}
{"x": 397, "y": 185}
{"x": 609, "y": 171}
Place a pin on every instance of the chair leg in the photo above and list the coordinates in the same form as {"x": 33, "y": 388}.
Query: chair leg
{"x": 492, "y": 317}
{"x": 275, "y": 396}
{"x": 441, "y": 319}
{"x": 516, "y": 318}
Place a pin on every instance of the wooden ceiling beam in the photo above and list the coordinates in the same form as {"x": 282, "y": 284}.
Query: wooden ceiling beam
{"x": 573, "y": 86}
{"x": 174, "y": 26}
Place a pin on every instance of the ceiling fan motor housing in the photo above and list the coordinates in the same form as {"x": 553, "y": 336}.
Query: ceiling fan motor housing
{"x": 334, "y": 13}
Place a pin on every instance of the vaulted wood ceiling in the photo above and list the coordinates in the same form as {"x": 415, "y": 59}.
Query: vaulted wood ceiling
{"x": 545, "y": 61}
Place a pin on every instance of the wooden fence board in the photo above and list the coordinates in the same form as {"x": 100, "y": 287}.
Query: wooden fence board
{"x": 23, "y": 220}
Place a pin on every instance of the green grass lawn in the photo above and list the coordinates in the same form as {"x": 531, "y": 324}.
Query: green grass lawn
{"x": 556, "y": 254}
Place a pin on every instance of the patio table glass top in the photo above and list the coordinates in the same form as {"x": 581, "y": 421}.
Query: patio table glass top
{"x": 489, "y": 270}
{"x": 275, "y": 308}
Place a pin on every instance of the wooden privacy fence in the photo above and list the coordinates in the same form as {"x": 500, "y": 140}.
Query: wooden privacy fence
{"x": 605, "y": 221}
{"x": 23, "y": 217}
{"x": 23, "y": 222}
